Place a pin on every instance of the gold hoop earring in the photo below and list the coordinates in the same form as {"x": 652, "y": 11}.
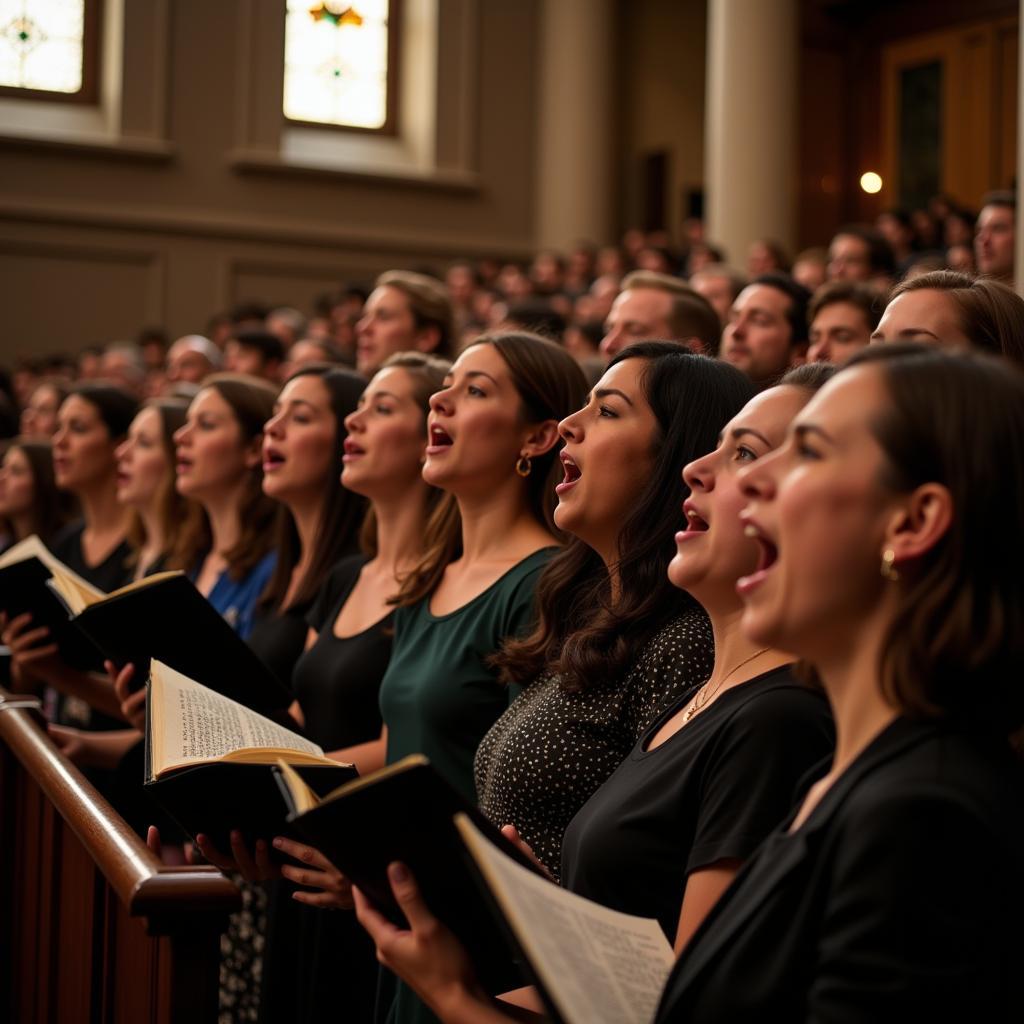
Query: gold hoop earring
{"x": 888, "y": 567}
{"x": 524, "y": 465}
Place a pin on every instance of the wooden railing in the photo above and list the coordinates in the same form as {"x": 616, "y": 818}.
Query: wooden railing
{"x": 93, "y": 927}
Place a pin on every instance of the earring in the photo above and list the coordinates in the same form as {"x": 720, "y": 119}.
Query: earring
{"x": 524, "y": 465}
{"x": 888, "y": 567}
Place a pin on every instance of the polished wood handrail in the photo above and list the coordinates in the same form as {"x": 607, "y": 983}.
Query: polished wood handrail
{"x": 143, "y": 883}
{"x": 93, "y": 926}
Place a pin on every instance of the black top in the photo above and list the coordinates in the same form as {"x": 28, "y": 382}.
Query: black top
{"x": 279, "y": 638}
{"x": 337, "y": 681}
{"x": 545, "y": 756}
{"x": 900, "y": 898}
{"x": 113, "y": 572}
{"x": 712, "y": 791}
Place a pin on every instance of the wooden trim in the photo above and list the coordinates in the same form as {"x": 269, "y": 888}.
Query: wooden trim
{"x": 186, "y": 223}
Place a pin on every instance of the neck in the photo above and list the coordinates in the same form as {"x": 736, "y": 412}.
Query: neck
{"x": 736, "y": 657}
{"x": 400, "y": 523}
{"x": 491, "y": 522}
{"x": 100, "y": 508}
{"x": 849, "y": 674}
{"x": 22, "y": 526}
{"x": 225, "y": 522}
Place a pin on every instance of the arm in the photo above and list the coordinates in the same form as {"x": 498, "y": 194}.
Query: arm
{"x": 367, "y": 757}
{"x": 704, "y": 888}
{"x": 32, "y": 658}
{"x": 94, "y": 749}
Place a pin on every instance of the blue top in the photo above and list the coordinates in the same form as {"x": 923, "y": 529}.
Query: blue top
{"x": 236, "y": 599}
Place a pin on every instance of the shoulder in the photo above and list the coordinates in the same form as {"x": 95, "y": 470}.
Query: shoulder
{"x": 67, "y": 537}
{"x": 678, "y": 640}
{"x": 777, "y": 699}
{"x": 344, "y": 574}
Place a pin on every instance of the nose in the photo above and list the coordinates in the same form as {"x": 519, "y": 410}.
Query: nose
{"x": 440, "y": 401}
{"x": 611, "y": 343}
{"x": 570, "y": 428}
{"x": 698, "y": 475}
{"x": 274, "y": 426}
{"x": 353, "y": 422}
{"x": 181, "y": 435}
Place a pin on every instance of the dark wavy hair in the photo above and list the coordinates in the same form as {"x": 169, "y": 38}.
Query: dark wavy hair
{"x": 955, "y": 647}
{"x": 550, "y": 385}
{"x": 581, "y": 634}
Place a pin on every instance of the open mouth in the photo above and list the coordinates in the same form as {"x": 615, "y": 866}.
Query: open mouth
{"x": 272, "y": 459}
{"x": 767, "y": 556}
{"x": 572, "y": 474}
{"x": 351, "y": 450}
{"x": 439, "y": 440}
{"x": 183, "y": 465}
{"x": 694, "y": 523}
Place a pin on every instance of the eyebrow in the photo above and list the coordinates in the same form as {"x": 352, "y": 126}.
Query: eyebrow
{"x": 744, "y": 431}
{"x": 480, "y": 373}
{"x": 907, "y": 332}
{"x": 803, "y": 429}
{"x": 383, "y": 394}
{"x": 607, "y": 392}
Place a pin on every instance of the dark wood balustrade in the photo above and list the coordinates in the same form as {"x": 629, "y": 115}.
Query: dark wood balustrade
{"x": 93, "y": 927}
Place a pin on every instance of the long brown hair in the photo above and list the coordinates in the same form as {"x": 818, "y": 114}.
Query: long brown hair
{"x": 550, "y": 385}
{"x": 581, "y": 634}
{"x": 252, "y": 404}
{"x": 174, "y": 509}
{"x": 955, "y": 646}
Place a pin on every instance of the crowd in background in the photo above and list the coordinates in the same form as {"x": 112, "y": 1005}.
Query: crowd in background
{"x": 451, "y": 478}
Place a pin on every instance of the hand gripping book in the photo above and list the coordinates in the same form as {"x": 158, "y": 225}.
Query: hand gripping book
{"x": 165, "y": 618}
{"x": 590, "y": 965}
{"x": 406, "y": 812}
{"x": 209, "y": 760}
{"x": 25, "y": 571}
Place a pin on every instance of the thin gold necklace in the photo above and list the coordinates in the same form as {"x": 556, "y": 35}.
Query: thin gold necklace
{"x": 699, "y": 704}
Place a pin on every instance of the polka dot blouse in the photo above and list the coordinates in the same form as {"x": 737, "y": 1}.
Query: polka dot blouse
{"x": 551, "y": 750}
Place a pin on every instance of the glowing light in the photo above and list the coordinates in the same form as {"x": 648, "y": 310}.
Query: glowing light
{"x": 871, "y": 182}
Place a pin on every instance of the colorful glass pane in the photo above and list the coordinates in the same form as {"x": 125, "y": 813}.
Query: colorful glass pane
{"x": 41, "y": 44}
{"x": 336, "y": 62}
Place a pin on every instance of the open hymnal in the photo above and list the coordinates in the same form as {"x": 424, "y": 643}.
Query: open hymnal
{"x": 590, "y": 964}
{"x": 209, "y": 758}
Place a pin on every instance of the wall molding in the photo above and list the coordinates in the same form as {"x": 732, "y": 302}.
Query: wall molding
{"x": 272, "y": 231}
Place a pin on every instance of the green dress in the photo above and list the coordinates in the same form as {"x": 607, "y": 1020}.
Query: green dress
{"x": 439, "y": 698}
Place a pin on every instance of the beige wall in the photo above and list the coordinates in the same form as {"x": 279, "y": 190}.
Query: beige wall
{"x": 190, "y": 206}
{"x": 661, "y": 78}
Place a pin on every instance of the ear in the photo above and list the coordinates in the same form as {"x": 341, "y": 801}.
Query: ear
{"x": 541, "y": 439}
{"x": 920, "y": 522}
{"x": 695, "y": 345}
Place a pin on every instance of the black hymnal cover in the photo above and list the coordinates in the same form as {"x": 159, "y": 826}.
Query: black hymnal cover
{"x": 406, "y": 813}
{"x": 168, "y": 620}
{"x": 23, "y": 588}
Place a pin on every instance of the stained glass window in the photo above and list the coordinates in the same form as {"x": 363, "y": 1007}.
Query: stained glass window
{"x": 336, "y": 62}
{"x": 45, "y": 46}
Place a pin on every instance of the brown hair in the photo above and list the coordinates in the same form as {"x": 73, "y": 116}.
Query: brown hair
{"x": 174, "y": 508}
{"x": 341, "y": 510}
{"x": 580, "y": 634}
{"x": 991, "y": 313}
{"x": 550, "y": 385}
{"x": 428, "y": 303}
{"x": 955, "y": 646}
{"x": 690, "y": 315}
{"x": 252, "y": 404}
{"x": 854, "y": 293}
